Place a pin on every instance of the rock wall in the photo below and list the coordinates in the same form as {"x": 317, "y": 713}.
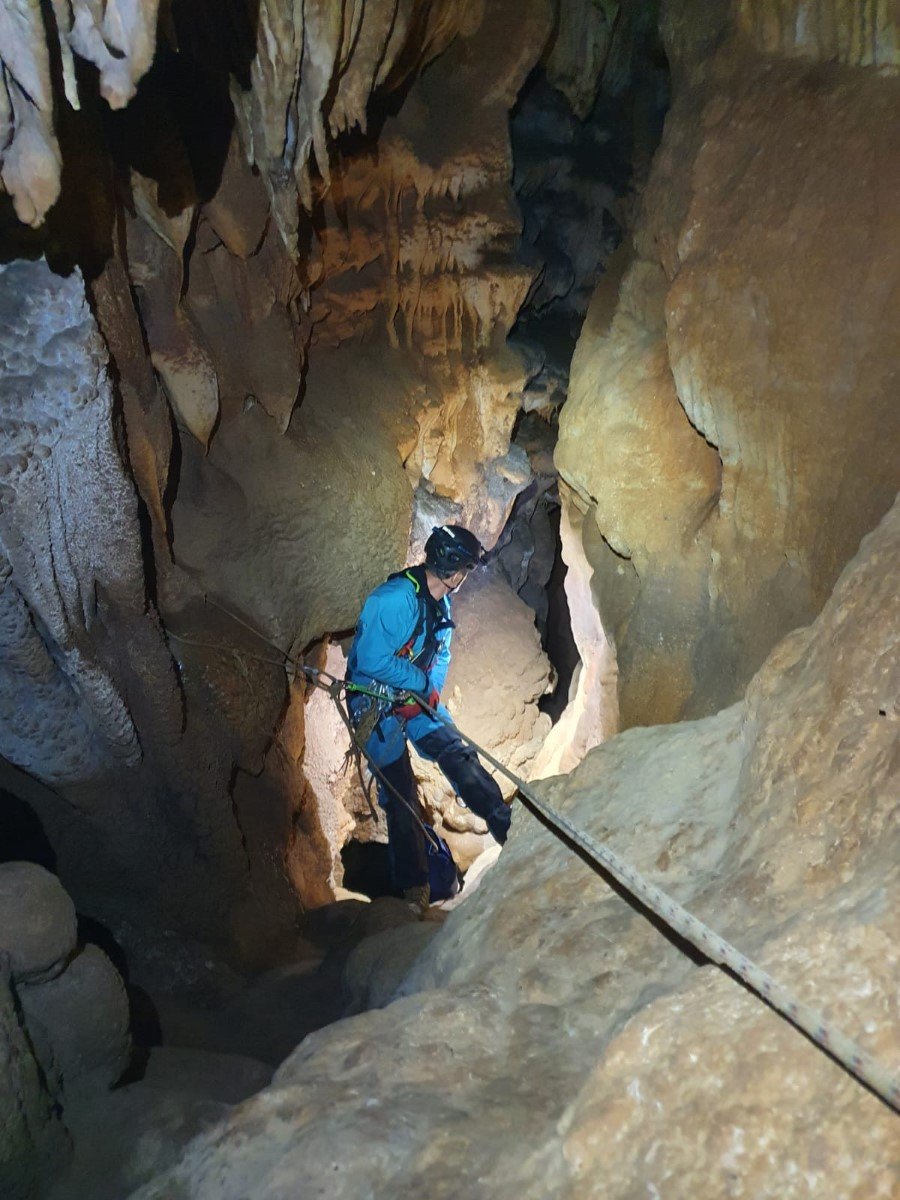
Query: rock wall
{"x": 550, "y": 1036}
{"x": 276, "y": 287}
{"x": 96, "y": 703}
{"x": 731, "y": 423}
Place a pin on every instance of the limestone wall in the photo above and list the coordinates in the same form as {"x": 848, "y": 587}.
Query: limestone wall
{"x": 732, "y": 423}
{"x": 262, "y": 354}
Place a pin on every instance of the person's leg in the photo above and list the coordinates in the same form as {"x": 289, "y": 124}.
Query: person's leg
{"x": 387, "y": 754}
{"x": 406, "y": 841}
{"x": 475, "y": 787}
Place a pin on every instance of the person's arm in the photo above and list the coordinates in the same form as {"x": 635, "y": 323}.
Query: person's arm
{"x": 438, "y": 673}
{"x": 386, "y": 623}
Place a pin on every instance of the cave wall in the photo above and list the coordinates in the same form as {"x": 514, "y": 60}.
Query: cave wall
{"x": 142, "y": 748}
{"x": 732, "y": 420}
{"x": 285, "y": 250}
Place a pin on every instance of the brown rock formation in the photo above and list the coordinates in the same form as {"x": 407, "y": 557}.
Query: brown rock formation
{"x": 95, "y": 705}
{"x": 719, "y": 422}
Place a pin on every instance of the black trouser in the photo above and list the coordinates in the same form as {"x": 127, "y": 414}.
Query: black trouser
{"x": 468, "y": 778}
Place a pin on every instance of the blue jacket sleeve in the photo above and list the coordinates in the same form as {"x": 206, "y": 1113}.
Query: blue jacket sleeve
{"x": 438, "y": 673}
{"x": 386, "y": 623}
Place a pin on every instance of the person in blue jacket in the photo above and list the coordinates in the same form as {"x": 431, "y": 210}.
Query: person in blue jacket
{"x": 402, "y": 646}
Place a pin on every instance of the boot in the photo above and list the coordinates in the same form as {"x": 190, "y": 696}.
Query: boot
{"x": 418, "y": 898}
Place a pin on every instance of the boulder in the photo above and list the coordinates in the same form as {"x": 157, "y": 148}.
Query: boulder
{"x": 38, "y": 927}
{"x": 32, "y": 1140}
{"x": 80, "y": 1019}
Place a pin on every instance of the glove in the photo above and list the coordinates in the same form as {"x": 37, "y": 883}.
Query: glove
{"x": 407, "y": 711}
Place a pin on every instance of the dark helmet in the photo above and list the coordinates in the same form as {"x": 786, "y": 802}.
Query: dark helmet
{"x": 450, "y": 548}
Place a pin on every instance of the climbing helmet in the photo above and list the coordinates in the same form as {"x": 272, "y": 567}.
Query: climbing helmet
{"x": 451, "y": 548}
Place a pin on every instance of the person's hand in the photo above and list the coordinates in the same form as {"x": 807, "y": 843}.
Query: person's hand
{"x": 412, "y": 708}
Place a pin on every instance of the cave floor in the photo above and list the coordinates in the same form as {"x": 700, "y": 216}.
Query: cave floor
{"x": 213, "y": 1056}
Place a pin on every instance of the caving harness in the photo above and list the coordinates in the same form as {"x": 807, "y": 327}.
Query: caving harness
{"x": 432, "y": 618}
{"x": 809, "y": 1021}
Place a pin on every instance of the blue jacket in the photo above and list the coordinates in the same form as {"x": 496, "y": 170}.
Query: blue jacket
{"x": 388, "y": 621}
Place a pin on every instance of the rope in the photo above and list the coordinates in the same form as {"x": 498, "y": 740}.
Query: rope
{"x": 316, "y": 677}
{"x": 810, "y": 1021}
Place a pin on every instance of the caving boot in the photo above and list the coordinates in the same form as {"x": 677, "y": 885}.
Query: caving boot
{"x": 418, "y": 898}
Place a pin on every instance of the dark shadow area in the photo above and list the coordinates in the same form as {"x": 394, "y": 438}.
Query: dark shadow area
{"x": 23, "y": 839}
{"x": 175, "y": 131}
{"x": 687, "y": 948}
{"x": 576, "y": 180}
{"x": 146, "y": 1029}
{"x": 367, "y": 869}
{"x": 558, "y": 642}
{"x": 177, "y": 128}
{"x": 22, "y": 835}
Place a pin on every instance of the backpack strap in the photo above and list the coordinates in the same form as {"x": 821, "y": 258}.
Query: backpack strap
{"x": 431, "y": 619}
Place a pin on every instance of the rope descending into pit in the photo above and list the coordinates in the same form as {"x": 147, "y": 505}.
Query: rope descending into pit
{"x": 810, "y": 1021}
{"x": 358, "y": 741}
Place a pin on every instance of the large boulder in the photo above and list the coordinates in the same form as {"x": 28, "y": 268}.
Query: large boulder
{"x": 79, "y": 1021}
{"x": 32, "y": 1141}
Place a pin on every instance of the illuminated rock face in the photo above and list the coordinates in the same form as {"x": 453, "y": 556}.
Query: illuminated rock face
{"x": 550, "y": 1036}
{"x": 731, "y": 424}
{"x": 289, "y": 359}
